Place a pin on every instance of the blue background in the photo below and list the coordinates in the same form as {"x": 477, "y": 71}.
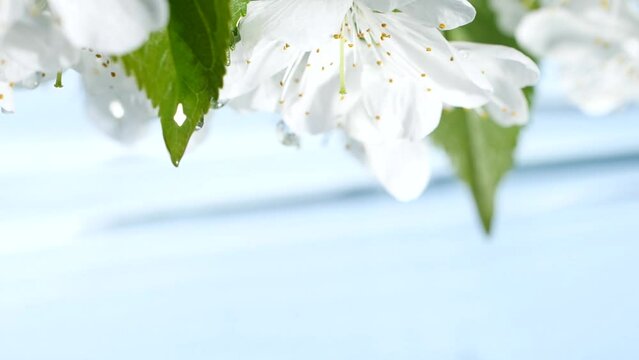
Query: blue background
{"x": 252, "y": 250}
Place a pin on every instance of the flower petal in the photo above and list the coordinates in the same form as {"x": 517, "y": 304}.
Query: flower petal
{"x": 441, "y": 14}
{"x": 419, "y": 51}
{"x": 252, "y": 67}
{"x": 401, "y": 166}
{"x": 509, "y": 105}
{"x": 112, "y": 26}
{"x": 392, "y": 109}
{"x": 385, "y": 5}
{"x": 114, "y": 102}
{"x": 10, "y": 12}
{"x": 501, "y": 60}
{"x": 35, "y": 44}
{"x": 6, "y": 98}
{"x": 550, "y": 29}
{"x": 303, "y": 24}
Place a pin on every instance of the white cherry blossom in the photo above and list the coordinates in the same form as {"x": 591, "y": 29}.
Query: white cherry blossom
{"x": 596, "y": 45}
{"x": 381, "y": 75}
{"x": 39, "y": 36}
{"x": 380, "y": 70}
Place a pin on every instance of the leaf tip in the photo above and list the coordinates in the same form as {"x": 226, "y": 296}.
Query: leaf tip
{"x": 487, "y": 225}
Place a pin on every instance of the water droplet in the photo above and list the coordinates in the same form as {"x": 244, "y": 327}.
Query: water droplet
{"x": 216, "y": 105}
{"x": 116, "y": 109}
{"x": 286, "y": 136}
{"x": 200, "y": 124}
{"x": 32, "y": 81}
{"x": 228, "y": 56}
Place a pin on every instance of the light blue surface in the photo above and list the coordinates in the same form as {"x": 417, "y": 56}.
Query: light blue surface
{"x": 255, "y": 251}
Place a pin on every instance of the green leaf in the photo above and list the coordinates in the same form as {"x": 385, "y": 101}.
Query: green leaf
{"x": 184, "y": 65}
{"x": 481, "y": 152}
{"x": 238, "y": 10}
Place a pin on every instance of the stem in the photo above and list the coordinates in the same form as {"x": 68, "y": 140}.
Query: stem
{"x": 342, "y": 67}
{"x": 58, "y": 80}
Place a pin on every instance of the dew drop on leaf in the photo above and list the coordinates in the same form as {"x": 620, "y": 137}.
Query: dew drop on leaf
{"x": 216, "y": 105}
{"x": 200, "y": 124}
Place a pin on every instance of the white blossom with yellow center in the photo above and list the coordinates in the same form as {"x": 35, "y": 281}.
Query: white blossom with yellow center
{"x": 380, "y": 70}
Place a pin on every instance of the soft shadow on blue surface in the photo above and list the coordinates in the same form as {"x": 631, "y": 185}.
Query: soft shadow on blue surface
{"x": 255, "y": 251}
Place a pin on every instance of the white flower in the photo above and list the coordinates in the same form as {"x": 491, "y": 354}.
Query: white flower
{"x": 380, "y": 74}
{"x": 596, "y": 45}
{"x": 380, "y": 70}
{"x": 46, "y": 37}
{"x": 40, "y": 38}
{"x": 509, "y": 13}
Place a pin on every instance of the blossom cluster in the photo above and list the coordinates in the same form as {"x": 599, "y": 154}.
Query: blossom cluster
{"x": 380, "y": 72}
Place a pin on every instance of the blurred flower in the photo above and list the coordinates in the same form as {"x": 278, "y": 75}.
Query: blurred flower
{"x": 510, "y": 12}
{"x": 46, "y": 36}
{"x": 41, "y": 38}
{"x": 596, "y": 45}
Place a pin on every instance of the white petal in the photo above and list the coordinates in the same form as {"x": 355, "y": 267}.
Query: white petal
{"x": 114, "y": 102}
{"x": 6, "y": 98}
{"x": 10, "y": 12}
{"x": 112, "y": 26}
{"x": 385, "y": 5}
{"x": 392, "y": 109}
{"x": 401, "y": 166}
{"x": 441, "y": 14}
{"x": 11, "y": 71}
{"x": 547, "y": 30}
{"x": 508, "y": 71}
{"x": 303, "y": 24}
{"x": 35, "y": 44}
{"x": 420, "y": 50}
{"x": 312, "y": 100}
{"x": 263, "y": 98}
{"x": 509, "y": 13}
{"x": 509, "y": 106}
{"x": 250, "y": 68}
{"x": 504, "y": 60}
